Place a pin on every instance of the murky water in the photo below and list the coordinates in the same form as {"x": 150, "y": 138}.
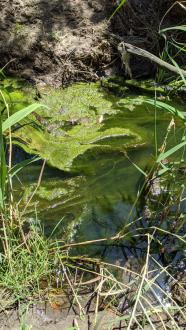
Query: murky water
{"x": 95, "y": 199}
{"x": 91, "y": 190}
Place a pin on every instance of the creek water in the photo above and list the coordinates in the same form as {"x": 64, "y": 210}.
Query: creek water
{"x": 95, "y": 200}
{"x": 98, "y": 195}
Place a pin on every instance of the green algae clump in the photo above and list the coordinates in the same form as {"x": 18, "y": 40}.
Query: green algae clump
{"x": 73, "y": 123}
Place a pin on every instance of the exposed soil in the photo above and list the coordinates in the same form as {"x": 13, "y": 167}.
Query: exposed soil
{"x": 56, "y": 41}
{"x": 60, "y": 41}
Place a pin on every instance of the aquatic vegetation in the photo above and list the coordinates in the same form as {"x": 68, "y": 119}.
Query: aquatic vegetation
{"x": 63, "y": 151}
{"x": 74, "y": 123}
{"x": 78, "y": 119}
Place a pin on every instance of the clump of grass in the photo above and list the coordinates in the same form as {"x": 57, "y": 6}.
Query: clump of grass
{"x": 23, "y": 256}
{"x": 26, "y": 264}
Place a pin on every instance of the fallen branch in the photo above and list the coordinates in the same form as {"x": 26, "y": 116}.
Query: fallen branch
{"x": 125, "y": 49}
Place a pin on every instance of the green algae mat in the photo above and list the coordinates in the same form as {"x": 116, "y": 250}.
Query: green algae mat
{"x": 83, "y": 119}
{"x": 74, "y": 122}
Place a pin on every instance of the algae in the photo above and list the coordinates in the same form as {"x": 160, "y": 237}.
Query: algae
{"x": 73, "y": 124}
{"x": 81, "y": 118}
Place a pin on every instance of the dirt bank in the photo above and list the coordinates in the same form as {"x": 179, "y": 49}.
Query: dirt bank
{"x": 56, "y": 41}
{"x": 60, "y": 41}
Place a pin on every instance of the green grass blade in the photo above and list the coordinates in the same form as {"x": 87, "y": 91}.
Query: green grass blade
{"x": 118, "y": 8}
{"x": 171, "y": 151}
{"x": 3, "y": 168}
{"x": 179, "y": 70}
{"x": 18, "y": 167}
{"x": 163, "y": 170}
{"x": 179, "y": 27}
{"x": 167, "y": 107}
{"x": 2, "y": 73}
{"x": 19, "y": 115}
{"x": 139, "y": 169}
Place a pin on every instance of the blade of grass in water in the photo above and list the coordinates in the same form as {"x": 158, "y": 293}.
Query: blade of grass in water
{"x": 167, "y": 107}
{"x": 18, "y": 167}
{"x": 171, "y": 151}
{"x": 19, "y": 115}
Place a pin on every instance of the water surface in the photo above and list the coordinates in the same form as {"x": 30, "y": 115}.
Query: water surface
{"x": 94, "y": 199}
